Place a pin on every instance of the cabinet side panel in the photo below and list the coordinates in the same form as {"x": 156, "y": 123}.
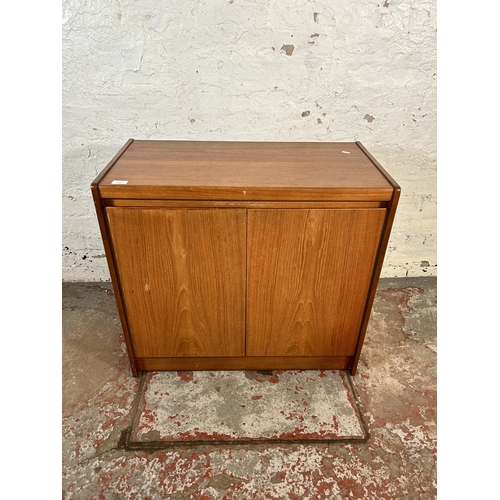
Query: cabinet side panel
{"x": 309, "y": 273}
{"x": 182, "y": 274}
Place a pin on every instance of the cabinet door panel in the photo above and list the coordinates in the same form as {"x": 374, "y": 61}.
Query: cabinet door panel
{"x": 309, "y": 273}
{"x": 182, "y": 277}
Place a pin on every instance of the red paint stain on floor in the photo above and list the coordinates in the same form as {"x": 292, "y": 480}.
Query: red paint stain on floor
{"x": 396, "y": 385}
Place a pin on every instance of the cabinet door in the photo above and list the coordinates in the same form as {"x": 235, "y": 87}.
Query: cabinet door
{"x": 309, "y": 273}
{"x": 182, "y": 278}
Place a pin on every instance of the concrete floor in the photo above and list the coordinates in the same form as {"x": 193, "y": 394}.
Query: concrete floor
{"x": 396, "y": 386}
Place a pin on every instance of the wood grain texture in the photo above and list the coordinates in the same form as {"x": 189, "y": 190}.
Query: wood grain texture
{"x": 182, "y": 279}
{"x": 380, "y": 168}
{"x": 111, "y": 163}
{"x": 309, "y": 273}
{"x": 187, "y": 265}
{"x": 245, "y": 171}
{"x": 98, "y": 203}
{"x": 245, "y": 363}
{"x": 244, "y": 193}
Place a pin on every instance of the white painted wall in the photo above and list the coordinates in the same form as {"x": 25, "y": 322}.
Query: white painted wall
{"x": 270, "y": 70}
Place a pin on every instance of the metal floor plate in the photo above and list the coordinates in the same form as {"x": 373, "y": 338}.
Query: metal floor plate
{"x": 246, "y": 406}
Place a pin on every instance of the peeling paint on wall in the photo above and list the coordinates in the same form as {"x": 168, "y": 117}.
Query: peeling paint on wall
{"x": 205, "y": 70}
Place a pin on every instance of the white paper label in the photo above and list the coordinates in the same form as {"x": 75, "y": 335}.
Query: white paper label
{"x": 119, "y": 182}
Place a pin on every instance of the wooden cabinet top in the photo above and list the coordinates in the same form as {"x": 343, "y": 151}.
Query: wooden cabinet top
{"x": 218, "y": 170}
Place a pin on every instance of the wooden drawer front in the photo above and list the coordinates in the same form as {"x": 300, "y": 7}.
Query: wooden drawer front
{"x": 182, "y": 277}
{"x": 308, "y": 277}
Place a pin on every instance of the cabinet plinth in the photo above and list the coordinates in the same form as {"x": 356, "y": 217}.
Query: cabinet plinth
{"x": 244, "y": 255}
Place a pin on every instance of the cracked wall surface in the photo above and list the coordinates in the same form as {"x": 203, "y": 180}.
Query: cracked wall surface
{"x": 256, "y": 71}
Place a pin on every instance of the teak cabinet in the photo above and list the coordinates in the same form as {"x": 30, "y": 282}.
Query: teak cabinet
{"x": 244, "y": 255}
